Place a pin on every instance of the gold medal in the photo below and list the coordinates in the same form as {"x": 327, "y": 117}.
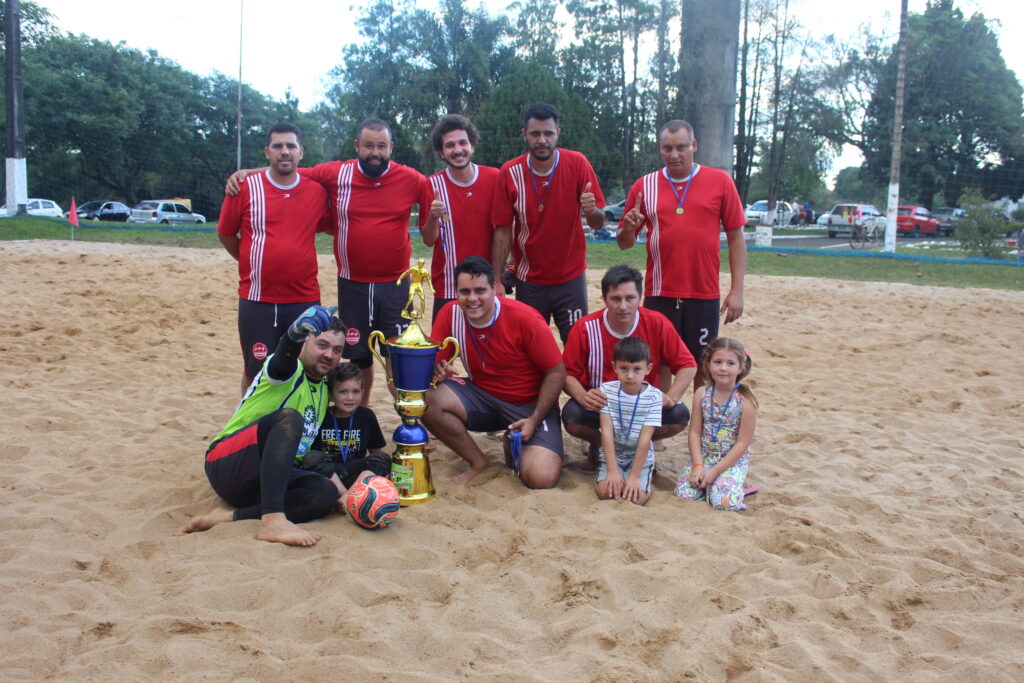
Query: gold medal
{"x": 447, "y": 218}
{"x": 679, "y": 210}
{"x": 540, "y": 207}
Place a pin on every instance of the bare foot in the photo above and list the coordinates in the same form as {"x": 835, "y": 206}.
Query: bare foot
{"x": 468, "y": 475}
{"x": 208, "y": 521}
{"x": 276, "y": 528}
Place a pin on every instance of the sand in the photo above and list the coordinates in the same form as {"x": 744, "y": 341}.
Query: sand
{"x": 886, "y": 543}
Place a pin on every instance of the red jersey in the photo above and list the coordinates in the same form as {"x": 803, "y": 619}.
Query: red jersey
{"x": 277, "y": 248}
{"x": 371, "y": 243}
{"x": 589, "y": 349}
{"x": 683, "y": 250}
{"x": 548, "y": 247}
{"x": 508, "y": 358}
{"x": 465, "y": 229}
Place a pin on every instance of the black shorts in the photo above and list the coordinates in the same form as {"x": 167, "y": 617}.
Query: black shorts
{"x": 439, "y": 303}
{"x": 566, "y": 302}
{"x": 260, "y": 326}
{"x": 575, "y": 414}
{"x": 368, "y": 306}
{"x": 486, "y": 413}
{"x": 696, "y": 320}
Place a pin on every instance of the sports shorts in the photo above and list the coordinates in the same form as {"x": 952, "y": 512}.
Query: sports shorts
{"x": 625, "y": 467}
{"x": 439, "y": 303}
{"x": 575, "y": 414}
{"x": 696, "y": 320}
{"x": 566, "y": 302}
{"x": 368, "y": 306}
{"x": 233, "y": 465}
{"x": 260, "y": 326}
{"x": 485, "y": 413}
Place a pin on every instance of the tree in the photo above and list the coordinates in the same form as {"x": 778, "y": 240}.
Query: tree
{"x": 963, "y": 106}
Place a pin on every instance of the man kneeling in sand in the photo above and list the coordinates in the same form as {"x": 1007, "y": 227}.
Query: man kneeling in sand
{"x": 515, "y": 376}
{"x": 251, "y": 463}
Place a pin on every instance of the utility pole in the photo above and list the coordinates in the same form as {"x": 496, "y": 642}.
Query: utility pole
{"x": 707, "y": 85}
{"x": 238, "y": 118}
{"x": 897, "y": 137}
{"x": 14, "y": 95}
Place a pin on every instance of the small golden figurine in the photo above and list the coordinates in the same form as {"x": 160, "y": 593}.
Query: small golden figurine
{"x": 418, "y": 275}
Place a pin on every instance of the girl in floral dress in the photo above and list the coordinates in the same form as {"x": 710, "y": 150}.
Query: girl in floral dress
{"x": 721, "y": 428}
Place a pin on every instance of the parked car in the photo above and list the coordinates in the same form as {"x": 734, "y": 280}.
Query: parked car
{"x": 842, "y": 218}
{"x": 948, "y": 217}
{"x": 39, "y": 207}
{"x": 613, "y": 212}
{"x": 165, "y": 212}
{"x": 102, "y": 211}
{"x": 915, "y": 221}
{"x": 758, "y": 211}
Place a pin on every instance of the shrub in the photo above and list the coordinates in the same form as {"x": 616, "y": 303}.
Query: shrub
{"x": 982, "y": 229}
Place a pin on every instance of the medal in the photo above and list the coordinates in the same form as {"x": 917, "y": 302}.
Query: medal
{"x": 679, "y": 210}
{"x": 680, "y": 198}
{"x": 540, "y": 207}
{"x": 547, "y": 188}
{"x": 447, "y": 218}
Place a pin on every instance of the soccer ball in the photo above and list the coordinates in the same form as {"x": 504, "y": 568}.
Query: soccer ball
{"x": 373, "y": 502}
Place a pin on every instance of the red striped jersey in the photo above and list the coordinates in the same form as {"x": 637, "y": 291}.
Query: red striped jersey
{"x": 277, "y": 227}
{"x": 588, "y": 350}
{"x": 548, "y": 247}
{"x": 465, "y": 229}
{"x": 683, "y": 250}
{"x": 371, "y": 216}
{"x": 508, "y": 358}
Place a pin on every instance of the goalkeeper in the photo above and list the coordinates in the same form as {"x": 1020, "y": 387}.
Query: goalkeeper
{"x": 251, "y": 462}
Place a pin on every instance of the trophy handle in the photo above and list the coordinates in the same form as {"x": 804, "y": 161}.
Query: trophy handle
{"x": 379, "y": 336}
{"x": 455, "y": 355}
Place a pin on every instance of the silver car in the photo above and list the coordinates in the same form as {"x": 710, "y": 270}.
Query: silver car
{"x": 164, "y": 212}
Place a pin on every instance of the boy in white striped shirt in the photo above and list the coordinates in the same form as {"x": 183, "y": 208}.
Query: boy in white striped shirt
{"x": 628, "y": 422}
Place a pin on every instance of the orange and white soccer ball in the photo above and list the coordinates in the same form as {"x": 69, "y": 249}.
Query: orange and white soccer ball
{"x": 373, "y": 502}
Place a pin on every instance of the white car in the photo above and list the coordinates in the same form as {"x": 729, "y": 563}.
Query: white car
{"x": 39, "y": 207}
{"x": 842, "y": 218}
{"x": 756, "y": 213}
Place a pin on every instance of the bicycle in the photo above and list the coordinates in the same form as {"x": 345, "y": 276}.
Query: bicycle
{"x": 862, "y": 236}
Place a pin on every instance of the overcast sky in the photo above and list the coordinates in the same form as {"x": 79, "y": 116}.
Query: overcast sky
{"x": 294, "y": 44}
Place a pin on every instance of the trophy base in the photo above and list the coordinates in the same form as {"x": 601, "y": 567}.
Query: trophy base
{"x": 410, "y": 471}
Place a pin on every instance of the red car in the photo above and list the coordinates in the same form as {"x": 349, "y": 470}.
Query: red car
{"x": 916, "y": 221}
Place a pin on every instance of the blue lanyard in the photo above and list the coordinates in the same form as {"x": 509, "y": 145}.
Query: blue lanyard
{"x": 680, "y": 199}
{"x": 472, "y": 336}
{"x": 622, "y": 422}
{"x": 721, "y": 415}
{"x": 551, "y": 181}
{"x": 515, "y": 448}
{"x": 337, "y": 432}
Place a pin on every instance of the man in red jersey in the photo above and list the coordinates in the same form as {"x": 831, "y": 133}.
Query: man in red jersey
{"x": 371, "y": 199}
{"x": 537, "y": 208}
{"x": 588, "y": 359}
{"x": 515, "y": 376}
{"x": 683, "y": 206}
{"x": 458, "y": 222}
{"x": 270, "y": 228}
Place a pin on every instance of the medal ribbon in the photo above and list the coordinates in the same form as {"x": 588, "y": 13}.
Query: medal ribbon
{"x": 680, "y": 199}
{"x": 551, "y": 181}
{"x": 343, "y": 449}
{"x": 632, "y": 415}
{"x": 721, "y": 415}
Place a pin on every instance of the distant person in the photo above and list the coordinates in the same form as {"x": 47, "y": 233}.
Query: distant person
{"x": 537, "y": 207}
{"x": 628, "y": 421}
{"x": 515, "y": 375}
{"x": 251, "y": 463}
{"x": 721, "y": 429}
{"x": 270, "y": 228}
{"x": 588, "y": 359}
{"x": 809, "y": 212}
{"x": 455, "y": 214}
{"x": 371, "y": 200}
{"x": 349, "y": 444}
{"x": 683, "y": 207}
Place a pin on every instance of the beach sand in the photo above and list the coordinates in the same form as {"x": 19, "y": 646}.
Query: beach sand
{"x": 886, "y": 543}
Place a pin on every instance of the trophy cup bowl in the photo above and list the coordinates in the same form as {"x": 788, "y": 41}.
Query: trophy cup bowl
{"x": 412, "y": 368}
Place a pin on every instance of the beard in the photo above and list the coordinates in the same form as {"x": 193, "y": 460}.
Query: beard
{"x": 374, "y": 168}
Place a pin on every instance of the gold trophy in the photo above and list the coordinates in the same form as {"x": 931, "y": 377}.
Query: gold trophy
{"x": 412, "y": 368}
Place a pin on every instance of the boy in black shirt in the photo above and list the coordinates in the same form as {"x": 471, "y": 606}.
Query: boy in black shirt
{"x": 349, "y": 441}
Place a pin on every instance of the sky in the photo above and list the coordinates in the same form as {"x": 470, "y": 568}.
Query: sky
{"x": 282, "y": 50}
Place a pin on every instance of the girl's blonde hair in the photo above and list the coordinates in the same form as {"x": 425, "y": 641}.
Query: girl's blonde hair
{"x": 734, "y": 346}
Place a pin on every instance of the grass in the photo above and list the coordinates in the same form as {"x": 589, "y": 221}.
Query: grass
{"x": 599, "y": 255}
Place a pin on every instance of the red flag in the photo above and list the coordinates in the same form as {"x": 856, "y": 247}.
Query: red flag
{"x": 73, "y": 214}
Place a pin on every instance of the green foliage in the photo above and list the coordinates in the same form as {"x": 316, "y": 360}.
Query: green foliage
{"x": 981, "y": 232}
{"x": 962, "y": 107}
